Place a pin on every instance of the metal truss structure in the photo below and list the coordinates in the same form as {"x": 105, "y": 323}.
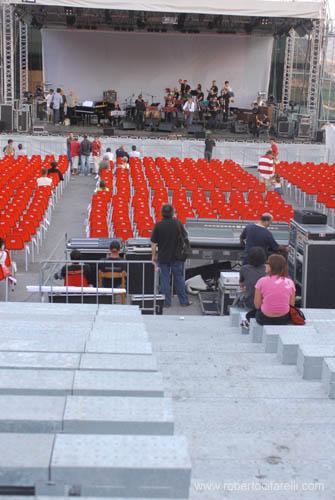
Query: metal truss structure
{"x": 23, "y": 57}
{"x": 12, "y": 55}
{"x": 7, "y": 39}
{"x": 288, "y": 69}
{"x": 315, "y": 71}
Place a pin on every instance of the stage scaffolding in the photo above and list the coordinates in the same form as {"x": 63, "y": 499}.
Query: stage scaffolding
{"x": 12, "y": 88}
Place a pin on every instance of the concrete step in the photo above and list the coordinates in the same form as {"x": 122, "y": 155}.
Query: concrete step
{"x": 118, "y": 362}
{"x": 328, "y": 376}
{"x": 117, "y": 332}
{"x": 139, "y": 466}
{"x": 31, "y": 413}
{"x": 256, "y": 331}
{"x": 86, "y": 415}
{"x": 310, "y": 359}
{"x": 319, "y": 314}
{"x": 40, "y": 360}
{"x": 110, "y": 346}
{"x": 36, "y": 382}
{"x": 26, "y": 460}
{"x": 44, "y": 343}
{"x": 118, "y": 415}
{"x": 106, "y": 383}
{"x": 84, "y": 382}
{"x": 288, "y": 344}
{"x": 271, "y": 334}
{"x": 27, "y": 329}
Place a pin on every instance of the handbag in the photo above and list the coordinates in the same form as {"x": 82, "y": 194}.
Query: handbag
{"x": 183, "y": 247}
{"x": 297, "y": 316}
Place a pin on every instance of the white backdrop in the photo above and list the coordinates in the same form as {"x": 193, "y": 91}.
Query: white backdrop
{"x": 90, "y": 62}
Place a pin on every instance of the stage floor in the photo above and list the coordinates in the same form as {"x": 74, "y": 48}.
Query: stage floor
{"x": 179, "y": 133}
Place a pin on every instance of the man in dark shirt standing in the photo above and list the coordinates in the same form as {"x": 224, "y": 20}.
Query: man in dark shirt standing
{"x": 140, "y": 109}
{"x": 209, "y": 145}
{"x": 165, "y": 235}
{"x": 258, "y": 235}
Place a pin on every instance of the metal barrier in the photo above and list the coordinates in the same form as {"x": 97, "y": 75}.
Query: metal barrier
{"x": 141, "y": 275}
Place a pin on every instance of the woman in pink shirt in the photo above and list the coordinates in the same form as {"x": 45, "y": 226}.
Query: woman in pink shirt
{"x": 274, "y": 293}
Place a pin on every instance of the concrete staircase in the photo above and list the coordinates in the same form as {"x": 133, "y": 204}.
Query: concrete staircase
{"x": 251, "y": 422}
{"x": 82, "y": 406}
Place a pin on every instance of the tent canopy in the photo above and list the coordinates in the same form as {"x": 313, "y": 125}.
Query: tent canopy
{"x": 255, "y": 8}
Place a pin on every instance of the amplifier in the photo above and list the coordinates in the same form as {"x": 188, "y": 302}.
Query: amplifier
{"x": 7, "y": 116}
{"x": 284, "y": 128}
{"x": 304, "y": 130}
{"x": 108, "y": 131}
{"x": 240, "y": 127}
{"x": 165, "y": 127}
{"x": 128, "y": 125}
{"x": 309, "y": 217}
{"x": 195, "y": 128}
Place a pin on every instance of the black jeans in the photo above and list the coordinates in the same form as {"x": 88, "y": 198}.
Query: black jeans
{"x": 262, "y": 319}
{"x": 251, "y": 314}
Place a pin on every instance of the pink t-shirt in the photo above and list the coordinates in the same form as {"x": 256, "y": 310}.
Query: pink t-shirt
{"x": 276, "y": 293}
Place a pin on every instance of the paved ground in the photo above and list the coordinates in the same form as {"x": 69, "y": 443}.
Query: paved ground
{"x": 248, "y": 419}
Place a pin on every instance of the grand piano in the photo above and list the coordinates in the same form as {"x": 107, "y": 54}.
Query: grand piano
{"x": 89, "y": 109}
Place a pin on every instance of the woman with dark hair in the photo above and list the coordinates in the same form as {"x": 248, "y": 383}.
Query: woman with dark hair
{"x": 274, "y": 294}
{"x": 249, "y": 275}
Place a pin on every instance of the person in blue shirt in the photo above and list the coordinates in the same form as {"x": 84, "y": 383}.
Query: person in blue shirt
{"x": 258, "y": 235}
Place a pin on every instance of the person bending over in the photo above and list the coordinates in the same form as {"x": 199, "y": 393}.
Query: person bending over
{"x": 274, "y": 294}
{"x": 258, "y": 235}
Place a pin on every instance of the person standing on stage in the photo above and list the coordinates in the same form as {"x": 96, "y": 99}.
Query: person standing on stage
{"x": 189, "y": 110}
{"x": 55, "y": 104}
{"x": 62, "y": 108}
{"x": 85, "y": 152}
{"x": 209, "y": 145}
{"x": 258, "y": 235}
{"x": 266, "y": 169}
{"x": 48, "y": 101}
{"x": 165, "y": 236}
{"x": 96, "y": 154}
{"x": 140, "y": 109}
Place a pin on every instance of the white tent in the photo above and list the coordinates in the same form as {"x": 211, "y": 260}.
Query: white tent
{"x": 257, "y": 8}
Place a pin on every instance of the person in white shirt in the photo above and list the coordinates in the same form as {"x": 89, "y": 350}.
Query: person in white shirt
{"x": 109, "y": 154}
{"x": 49, "y": 110}
{"x": 189, "y": 109}
{"x": 134, "y": 153}
{"x": 44, "y": 180}
{"x": 20, "y": 151}
{"x": 55, "y": 104}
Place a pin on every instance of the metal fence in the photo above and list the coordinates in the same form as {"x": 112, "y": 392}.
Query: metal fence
{"x": 140, "y": 276}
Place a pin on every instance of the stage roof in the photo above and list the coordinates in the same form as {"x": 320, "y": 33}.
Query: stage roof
{"x": 304, "y": 9}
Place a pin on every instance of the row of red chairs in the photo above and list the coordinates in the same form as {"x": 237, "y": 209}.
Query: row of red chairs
{"x": 196, "y": 188}
{"x": 22, "y": 203}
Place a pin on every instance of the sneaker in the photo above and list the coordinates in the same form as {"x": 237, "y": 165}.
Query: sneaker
{"x": 12, "y": 280}
{"x": 245, "y": 324}
{"x": 186, "y": 305}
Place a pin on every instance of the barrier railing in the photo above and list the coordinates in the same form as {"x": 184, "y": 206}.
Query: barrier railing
{"x": 140, "y": 278}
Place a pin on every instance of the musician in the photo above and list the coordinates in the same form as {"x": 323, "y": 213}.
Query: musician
{"x": 261, "y": 123}
{"x": 199, "y": 93}
{"x": 113, "y": 106}
{"x": 224, "y": 102}
{"x": 189, "y": 110}
{"x": 187, "y": 89}
{"x": 140, "y": 109}
{"x": 253, "y": 127}
{"x": 214, "y": 108}
{"x": 170, "y": 104}
{"x": 214, "y": 88}
{"x": 181, "y": 87}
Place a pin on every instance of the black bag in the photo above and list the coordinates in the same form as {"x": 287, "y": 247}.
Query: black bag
{"x": 183, "y": 247}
